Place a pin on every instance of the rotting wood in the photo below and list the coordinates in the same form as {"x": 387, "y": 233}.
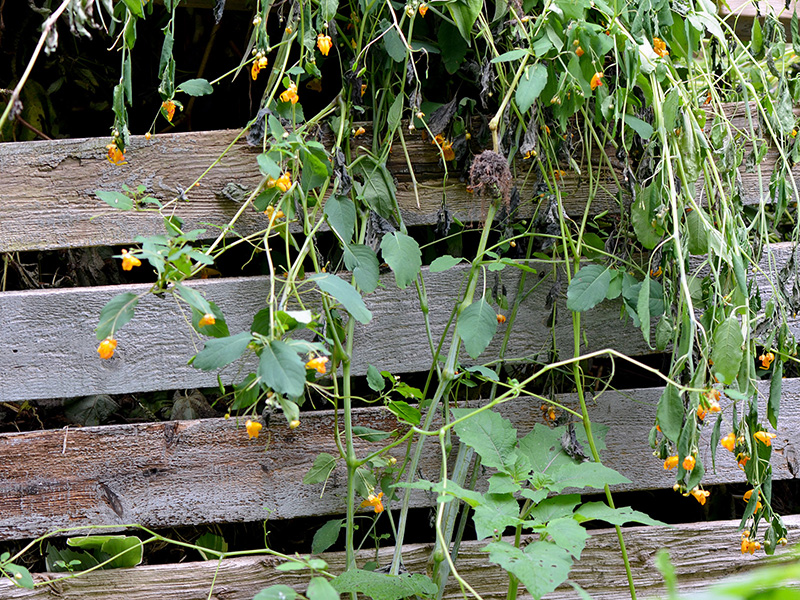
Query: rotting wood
{"x": 49, "y": 200}
{"x": 207, "y": 471}
{"x": 155, "y": 346}
{"x": 702, "y": 554}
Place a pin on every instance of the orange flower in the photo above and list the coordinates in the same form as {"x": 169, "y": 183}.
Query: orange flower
{"x": 294, "y": 424}
{"x": 169, "y": 109}
{"x": 748, "y": 494}
{"x": 728, "y": 442}
{"x": 423, "y": 8}
{"x": 253, "y": 428}
{"x": 689, "y": 462}
{"x": 374, "y": 502}
{"x": 258, "y": 65}
{"x": 324, "y": 43}
{"x": 107, "y": 347}
{"x": 501, "y": 319}
{"x": 363, "y": 89}
{"x": 115, "y": 155}
{"x": 579, "y": 51}
{"x": 764, "y": 437}
{"x": 700, "y": 495}
{"x": 320, "y": 363}
{"x": 359, "y": 131}
{"x": 290, "y": 95}
{"x": 701, "y": 412}
{"x": 597, "y": 80}
{"x": 671, "y": 463}
{"x": 714, "y": 407}
{"x": 270, "y": 210}
{"x": 208, "y": 319}
{"x": 742, "y": 459}
{"x": 660, "y": 47}
{"x": 283, "y": 183}
{"x": 766, "y": 360}
{"x": 129, "y": 261}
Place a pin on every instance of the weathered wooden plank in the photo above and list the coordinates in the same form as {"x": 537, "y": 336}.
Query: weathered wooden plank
{"x": 702, "y": 553}
{"x": 49, "y": 202}
{"x": 740, "y": 14}
{"x": 48, "y": 347}
{"x": 190, "y": 472}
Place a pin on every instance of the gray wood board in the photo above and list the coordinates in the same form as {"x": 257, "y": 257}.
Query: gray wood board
{"x": 207, "y": 471}
{"x": 48, "y": 345}
{"x": 702, "y": 554}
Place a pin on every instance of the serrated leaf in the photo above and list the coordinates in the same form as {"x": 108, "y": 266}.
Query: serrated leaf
{"x": 196, "y": 87}
{"x": 443, "y": 263}
{"x": 326, "y": 536}
{"x": 219, "y": 352}
{"x": 321, "y": 469}
{"x": 363, "y": 262}
{"x": 491, "y": 435}
{"x": 345, "y": 293}
{"x": 555, "y": 507}
{"x": 375, "y": 380}
{"x": 581, "y": 475}
{"x": 588, "y": 288}
{"x": 669, "y": 414}
{"x": 494, "y": 514}
{"x": 531, "y": 84}
{"x": 477, "y": 325}
{"x": 727, "y": 350}
{"x": 541, "y": 566}
{"x": 616, "y": 516}
{"x": 568, "y": 534}
{"x": 276, "y": 592}
{"x": 404, "y": 412}
{"x": 115, "y": 314}
{"x": 281, "y": 369}
{"x": 382, "y": 586}
{"x": 403, "y": 256}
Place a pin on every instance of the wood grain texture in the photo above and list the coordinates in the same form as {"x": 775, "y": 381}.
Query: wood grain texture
{"x": 206, "y": 471}
{"x": 702, "y": 553}
{"x": 743, "y": 12}
{"x": 49, "y": 202}
{"x": 48, "y": 347}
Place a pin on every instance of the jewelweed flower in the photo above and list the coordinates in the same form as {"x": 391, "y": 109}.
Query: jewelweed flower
{"x": 671, "y": 462}
{"x": 129, "y": 261}
{"x": 701, "y": 412}
{"x": 294, "y": 424}
{"x": 363, "y": 89}
{"x": 501, "y": 319}
{"x": 423, "y": 8}
{"x": 359, "y": 131}
{"x": 713, "y": 394}
{"x": 689, "y": 462}
{"x": 270, "y": 210}
{"x": 700, "y": 495}
{"x": 728, "y": 442}
{"x": 107, "y": 347}
{"x": 764, "y": 437}
{"x": 660, "y": 47}
{"x": 714, "y": 407}
{"x": 320, "y": 363}
{"x": 579, "y": 51}
{"x": 115, "y": 155}
{"x": 447, "y": 147}
{"x": 290, "y": 95}
{"x": 324, "y": 43}
{"x": 283, "y": 183}
{"x": 258, "y": 65}
{"x": 169, "y": 109}
{"x": 374, "y": 502}
{"x": 253, "y": 428}
{"x": 597, "y": 80}
{"x": 208, "y": 319}
{"x": 742, "y": 459}
{"x": 766, "y": 360}
{"x": 148, "y": 135}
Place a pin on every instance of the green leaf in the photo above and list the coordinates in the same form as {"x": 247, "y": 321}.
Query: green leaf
{"x": 211, "y": 541}
{"x": 321, "y": 469}
{"x": 494, "y": 514}
{"x": 443, "y": 263}
{"x": 395, "y": 113}
{"x": 555, "y": 507}
{"x": 196, "y": 87}
{"x": 697, "y": 241}
{"x": 454, "y": 47}
{"x": 378, "y": 190}
{"x": 643, "y": 217}
{"x": 644, "y": 129}
{"x": 375, "y": 380}
{"x": 477, "y": 325}
{"x": 775, "y": 390}
{"x": 193, "y": 298}
{"x": 403, "y": 256}
{"x": 568, "y": 534}
{"x": 404, "y": 412}
{"x": 221, "y": 351}
{"x": 21, "y": 576}
{"x": 276, "y": 592}
{"x": 135, "y": 7}
{"x": 491, "y": 435}
{"x": 484, "y": 372}
{"x": 281, "y": 369}
{"x": 669, "y": 414}
{"x": 320, "y": 589}
{"x": 511, "y": 55}
{"x": 588, "y": 287}
{"x": 90, "y": 410}
{"x": 363, "y": 262}
{"x": 115, "y": 199}
{"x": 345, "y": 293}
{"x": 326, "y": 536}
{"x": 115, "y": 314}
{"x": 531, "y": 84}
{"x": 541, "y": 566}
{"x": 381, "y": 586}
{"x": 129, "y": 547}
{"x": 268, "y": 166}
{"x": 581, "y": 475}
{"x": 218, "y": 329}
{"x": 369, "y": 435}
{"x": 464, "y": 13}
{"x": 394, "y": 45}
{"x": 341, "y": 214}
{"x": 316, "y": 169}
{"x": 615, "y": 516}
{"x": 727, "y": 350}
{"x": 328, "y": 9}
